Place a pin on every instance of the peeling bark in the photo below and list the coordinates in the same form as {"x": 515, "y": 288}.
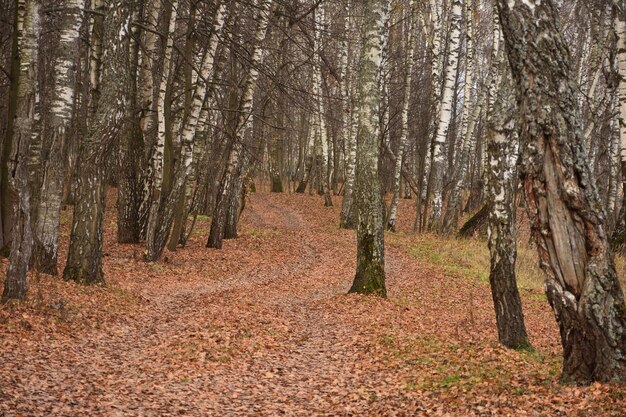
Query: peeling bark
{"x": 566, "y": 215}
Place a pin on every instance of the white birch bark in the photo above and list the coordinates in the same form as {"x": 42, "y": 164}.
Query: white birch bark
{"x": 322, "y": 131}
{"x": 620, "y": 30}
{"x": 370, "y": 269}
{"x": 220, "y": 212}
{"x": 435, "y": 197}
{"x": 55, "y": 134}
{"x": 159, "y": 149}
{"x": 164, "y": 208}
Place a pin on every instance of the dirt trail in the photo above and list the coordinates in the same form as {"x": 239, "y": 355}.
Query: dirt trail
{"x": 295, "y": 377}
{"x": 264, "y": 327}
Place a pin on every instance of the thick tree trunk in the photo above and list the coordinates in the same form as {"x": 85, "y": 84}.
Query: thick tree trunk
{"x": 370, "y": 268}
{"x": 567, "y": 220}
{"x": 55, "y": 134}
{"x": 27, "y": 34}
{"x": 130, "y": 193}
{"x": 84, "y": 262}
{"x": 6, "y": 200}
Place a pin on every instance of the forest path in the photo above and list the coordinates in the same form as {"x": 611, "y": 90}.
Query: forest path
{"x": 252, "y": 341}
{"x": 265, "y": 327}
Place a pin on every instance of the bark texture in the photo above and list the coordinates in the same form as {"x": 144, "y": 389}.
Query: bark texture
{"x": 56, "y": 128}
{"x": 370, "y": 268}
{"x": 566, "y": 214}
{"x": 84, "y": 262}
{"x": 502, "y": 150}
{"x": 27, "y": 32}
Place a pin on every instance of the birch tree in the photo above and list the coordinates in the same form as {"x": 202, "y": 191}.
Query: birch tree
{"x": 84, "y": 262}
{"x": 348, "y": 125}
{"x": 55, "y": 132}
{"x": 223, "y": 196}
{"x": 502, "y": 150}
{"x": 435, "y": 182}
{"x": 404, "y": 129}
{"x": 166, "y": 206}
{"x": 27, "y": 28}
{"x": 455, "y": 200}
{"x": 567, "y": 221}
{"x": 370, "y": 268}
{"x": 320, "y": 125}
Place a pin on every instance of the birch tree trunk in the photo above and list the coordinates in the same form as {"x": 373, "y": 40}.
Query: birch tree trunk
{"x": 321, "y": 106}
{"x": 27, "y": 28}
{"x": 404, "y": 129}
{"x": 370, "y": 264}
{"x": 455, "y": 201}
{"x": 503, "y": 151}
{"x": 6, "y": 199}
{"x": 84, "y": 262}
{"x": 227, "y": 183}
{"x": 166, "y": 206}
{"x": 567, "y": 219}
{"x": 349, "y": 125}
{"x": 130, "y": 178}
{"x": 620, "y": 31}
{"x": 435, "y": 183}
{"x": 158, "y": 155}
{"x": 55, "y": 134}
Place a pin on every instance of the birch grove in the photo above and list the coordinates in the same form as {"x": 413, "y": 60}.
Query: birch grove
{"x": 150, "y": 123}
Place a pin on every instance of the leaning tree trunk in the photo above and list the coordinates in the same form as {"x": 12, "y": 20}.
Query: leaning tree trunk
{"x": 404, "y": 128}
{"x": 222, "y": 200}
{"x": 502, "y": 149}
{"x": 84, "y": 262}
{"x": 566, "y": 215}
{"x": 27, "y": 32}
{"x": 370, "y": 264}
{"x": 55, "y": 134}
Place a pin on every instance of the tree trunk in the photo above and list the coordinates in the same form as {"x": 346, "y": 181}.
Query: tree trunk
{"x": 434, "y": 196}
{"x": 502, "y": 148}
{"x": 404, "y": 129}
{"x": 166, "y": 207}
{"x": 6, "y": 200}
{"x": 84, "y": 262}
{"x": 223, "y": 195}
{"x": 567, "y": 220}
{"x": 27, "y": 34}
{"x": 455, "y": 201}
{"x": 348, "y": 128}
{"x": 370, "y": 268}
{"x": 55, "y": 134}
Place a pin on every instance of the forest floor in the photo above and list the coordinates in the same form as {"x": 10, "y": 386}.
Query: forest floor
{"x": 265, "y": 327}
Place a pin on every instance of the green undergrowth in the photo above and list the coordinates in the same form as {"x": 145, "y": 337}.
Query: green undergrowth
{"x": 469, "y": 258}
{"x": 450, "y": 365}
